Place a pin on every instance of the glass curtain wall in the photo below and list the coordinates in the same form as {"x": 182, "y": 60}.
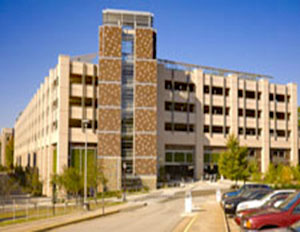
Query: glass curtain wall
{"x": 127, "y": 98}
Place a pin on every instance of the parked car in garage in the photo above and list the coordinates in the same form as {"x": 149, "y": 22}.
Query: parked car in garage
{"x": 287, "y": 213}
{"x": 259, "y": 202}
{"x": 230, "y": 204}
{"x": 273, "y": 202}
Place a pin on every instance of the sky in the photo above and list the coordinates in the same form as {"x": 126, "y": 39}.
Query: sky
{"x": 260, "y": 36}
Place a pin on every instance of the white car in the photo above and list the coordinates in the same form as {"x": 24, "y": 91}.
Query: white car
{"x": 258, "y": 203}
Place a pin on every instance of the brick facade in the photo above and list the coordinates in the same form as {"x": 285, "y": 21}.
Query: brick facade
{"x": 146, "y": 71}
{"x": 110, "y": 94}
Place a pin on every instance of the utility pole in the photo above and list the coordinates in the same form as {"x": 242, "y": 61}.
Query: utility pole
{"x": 124, "y": 180}
{"x": 85, "y": 203}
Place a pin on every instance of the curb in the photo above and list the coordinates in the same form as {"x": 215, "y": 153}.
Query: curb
{"x": 227, "y": 228}
{"x": 134, "y": 207}
{"x": 128, "y": 209}
{"x": 51, "y": 227}
{"x": 87, "y": 218}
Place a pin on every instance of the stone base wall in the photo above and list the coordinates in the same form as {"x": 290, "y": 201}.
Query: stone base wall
{"x": 112, "y": 172}
{"x": 149, "y": 182}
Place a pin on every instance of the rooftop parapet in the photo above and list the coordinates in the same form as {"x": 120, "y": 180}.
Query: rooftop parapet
{"x": 127, "y": 18}
{"x": 211, "y": 70}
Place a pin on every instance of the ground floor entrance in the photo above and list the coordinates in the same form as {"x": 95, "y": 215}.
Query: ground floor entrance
{"x": 179, "y": 172}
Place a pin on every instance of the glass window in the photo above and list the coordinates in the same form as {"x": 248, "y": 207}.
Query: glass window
{"x": 180, "y": 86}
{"x": 127, "y": 46}
{"x": 206, "y": 89}
{"x": 189, "y": 157}
{"x": 192, "y": 87}
{"x": 289, "y": 202}
{"x": 179, "y": 157}
{"x": 168, "y": 106}
{"x": 169, "y": 157}
{"x": 168, "y": 126}
{"x": 168, "y": 85}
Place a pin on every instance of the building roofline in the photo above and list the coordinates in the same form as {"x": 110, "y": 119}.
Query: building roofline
{"x": 222, "y": 71}
{"x": 131, "y": 12}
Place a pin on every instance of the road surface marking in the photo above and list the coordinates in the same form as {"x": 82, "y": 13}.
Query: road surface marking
{"x": 191, "y": 223}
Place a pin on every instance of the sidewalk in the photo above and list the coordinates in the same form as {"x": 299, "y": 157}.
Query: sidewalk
{"x": 208, "y": 218}
{"x": 54, "y": 222}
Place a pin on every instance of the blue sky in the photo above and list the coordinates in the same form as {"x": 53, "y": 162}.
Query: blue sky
{"x": 260, "y": 36}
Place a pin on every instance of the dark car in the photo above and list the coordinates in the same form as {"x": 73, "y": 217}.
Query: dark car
{"x": 271, "y": 203}
{"x": 284, "y": 215}
{"x": 243, "y": 188}
{"x": 230, "y": 204}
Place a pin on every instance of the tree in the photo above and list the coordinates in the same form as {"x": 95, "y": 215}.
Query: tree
{"x": 9, "y": 153}
{"x": 254, "y": 172}
{"x": 233, "y": 162}
{"x": 271, "y": 175}
{"x": 285, "y": 176}
{"x": 70, "y": 180}
{"x": 96, "y": 177}
{"x": 35, "y": 183}
{"x": 27, "y": 179}
{"x": 32, "y": 183}
{"x": 7, "y": 185}
{"x": 296, "y": 174}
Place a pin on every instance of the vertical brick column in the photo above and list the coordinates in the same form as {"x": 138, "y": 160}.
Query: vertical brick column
{"x": 145, "y": 110}
{"x": 109, "y": 105}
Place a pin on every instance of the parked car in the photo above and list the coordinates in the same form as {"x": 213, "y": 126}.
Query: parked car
{"x": 273, "y": 202}
{"x": 259, "y": 202}
{"x": 231, "y": 203}
{"x": 287, "y": 213}
{"x": 243, "y": 188}
{"x": 293, "y": 228}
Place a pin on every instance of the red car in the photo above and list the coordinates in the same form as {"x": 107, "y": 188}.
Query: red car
{"x": 284, "y": 215}
{"x": 277, "y": 199}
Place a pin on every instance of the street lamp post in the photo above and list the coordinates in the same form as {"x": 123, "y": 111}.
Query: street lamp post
{"x": 124, "y": 180}
{"x": 85, "y": 203}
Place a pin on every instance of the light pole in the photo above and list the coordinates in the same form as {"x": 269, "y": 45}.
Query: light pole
{"x": 124, "y": 180}
{"x": 85, "y": 203}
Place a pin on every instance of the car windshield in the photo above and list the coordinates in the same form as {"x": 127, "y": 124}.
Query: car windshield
{"x": 265, "y": 198}
{"x": 247, "y": 194}
{"x": 258, "y": 195}
{"x": 271, "y": 202}
{"x": 284, "y": 206}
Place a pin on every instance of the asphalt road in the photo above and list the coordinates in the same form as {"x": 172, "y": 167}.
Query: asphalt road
{"x": 163, "y": 213}
{"x": 157, "y": 216}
